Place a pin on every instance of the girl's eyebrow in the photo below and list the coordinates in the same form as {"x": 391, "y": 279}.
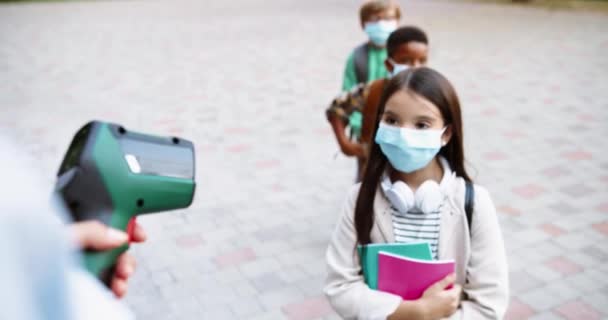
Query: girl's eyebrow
{"x": 425, "y": 118}
{"x": 390, "y": 113}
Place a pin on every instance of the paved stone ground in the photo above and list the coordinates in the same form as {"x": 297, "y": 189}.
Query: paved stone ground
{"x": 248, "y": 81}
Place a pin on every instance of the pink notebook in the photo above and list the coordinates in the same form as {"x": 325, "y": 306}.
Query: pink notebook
{"x": 409, "y": 277}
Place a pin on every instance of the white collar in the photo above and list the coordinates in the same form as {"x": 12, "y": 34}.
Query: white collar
{"x": 448, "y": 175}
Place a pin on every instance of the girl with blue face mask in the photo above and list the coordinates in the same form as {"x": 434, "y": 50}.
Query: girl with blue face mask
{"x": 413, "y": 189}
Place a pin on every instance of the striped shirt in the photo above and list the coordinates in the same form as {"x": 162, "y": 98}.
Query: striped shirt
{"x": 415, "y": 226}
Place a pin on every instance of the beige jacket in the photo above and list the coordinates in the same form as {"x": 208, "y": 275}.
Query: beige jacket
{"x": 481, "y": 257}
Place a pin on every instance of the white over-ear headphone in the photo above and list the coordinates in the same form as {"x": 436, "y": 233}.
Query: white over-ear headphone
{"x": 427, "y": 198}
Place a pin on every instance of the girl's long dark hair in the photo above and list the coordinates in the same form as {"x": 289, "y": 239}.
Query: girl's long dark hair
{"x": 433, "y": 86}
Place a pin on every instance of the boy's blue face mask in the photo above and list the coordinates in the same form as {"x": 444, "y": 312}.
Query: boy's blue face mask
{"x": 397, "y": 67}
{"x": 379, "y": 31}
{"x": 409, "y": 150}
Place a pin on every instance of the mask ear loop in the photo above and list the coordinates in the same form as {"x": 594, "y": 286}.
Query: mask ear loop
{"x": 443, "y": 143}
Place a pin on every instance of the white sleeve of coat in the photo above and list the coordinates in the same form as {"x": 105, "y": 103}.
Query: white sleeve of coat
{"x": 487, "y": 289}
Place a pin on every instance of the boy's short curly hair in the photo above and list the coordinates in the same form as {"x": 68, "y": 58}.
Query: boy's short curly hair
{"x": 404, "y": 35}
{"x": 371, "y": 7}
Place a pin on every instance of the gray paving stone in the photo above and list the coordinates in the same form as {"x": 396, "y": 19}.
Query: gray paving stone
{"x": 268, "y": 282}
{"x": 550, "y": 296}
{"x": 228, "y": 276}
{"x": 214, "y": 297}
{"x": 275, "y": 299}
{"x": 270, "y": 315}
{"x": 597, "y": 300}
{"x": 216, "y": 312}
{"x": 312, "y": 286}
{"x": 260, "y": 266}
{"x": 543, "y": 273}
{"x": 578, "y": 241}
{"x": 547, "y": 315}
{"x": 163, "y": 278}
{"x": 245, "y": 289}
{"x": 540, "y": 252}
{"x": 584, "y": 283}
{"x": 521, "y": 282}
{"x": 595, "y": 251}
{"x": 247, "y": 308}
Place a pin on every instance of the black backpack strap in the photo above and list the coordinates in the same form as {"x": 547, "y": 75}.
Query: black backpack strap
{"x": 469, "y": 202}
{"x": 360, "y": 58}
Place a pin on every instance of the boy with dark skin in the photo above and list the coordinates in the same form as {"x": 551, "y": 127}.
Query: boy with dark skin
{"x": 407, "y": 47}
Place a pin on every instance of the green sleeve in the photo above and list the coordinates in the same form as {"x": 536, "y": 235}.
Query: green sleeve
{"x": 350, "y": 77}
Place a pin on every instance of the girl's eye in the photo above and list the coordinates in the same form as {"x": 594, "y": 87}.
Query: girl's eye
{"x": 422, "y": 125}
{"x": 390, "y": 120}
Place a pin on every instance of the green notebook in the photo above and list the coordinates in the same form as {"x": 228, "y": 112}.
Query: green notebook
{"x": 369, "y": 256}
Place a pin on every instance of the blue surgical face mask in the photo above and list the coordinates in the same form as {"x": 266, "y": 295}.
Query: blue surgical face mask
{"x": 379, "y": 31}
{"x": 397, "y": 67}
{"x": 408, "y": 150}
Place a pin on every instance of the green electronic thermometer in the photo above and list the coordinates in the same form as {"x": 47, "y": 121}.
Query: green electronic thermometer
{"x": 112, "y": 175}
